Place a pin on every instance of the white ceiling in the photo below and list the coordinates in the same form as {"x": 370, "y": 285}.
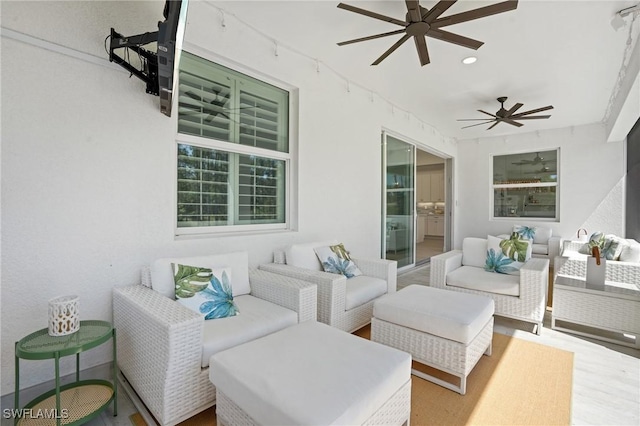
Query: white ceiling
{"x": 562, "y": 53}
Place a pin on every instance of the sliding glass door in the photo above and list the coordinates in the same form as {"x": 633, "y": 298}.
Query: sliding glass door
{"x": 398, "y": 204}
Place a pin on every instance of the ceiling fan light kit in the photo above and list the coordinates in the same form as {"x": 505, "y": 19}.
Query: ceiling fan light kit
{"x": 420, "y": 23}
{"x": 508, "y": 116}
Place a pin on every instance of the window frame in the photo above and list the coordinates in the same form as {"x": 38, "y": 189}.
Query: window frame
{"x": 493, "y": 187}
{"x": 289, "y": 158}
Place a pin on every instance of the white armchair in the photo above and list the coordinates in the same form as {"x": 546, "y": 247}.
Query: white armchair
{"x": 164, "y": 347}
{"x": 343, "y": 303}
{"x": 522, "y": 297}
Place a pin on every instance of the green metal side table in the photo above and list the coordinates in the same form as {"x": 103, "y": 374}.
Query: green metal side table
{"x": 74, "y": 403}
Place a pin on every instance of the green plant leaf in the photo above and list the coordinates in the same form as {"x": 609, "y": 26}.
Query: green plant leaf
{"x": 191, "y": 279}
{"x": 515, "y": 248}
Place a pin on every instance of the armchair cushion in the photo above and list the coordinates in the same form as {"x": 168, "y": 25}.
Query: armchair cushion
{"x": 205, "y": 291}
{"x": 474, "y": 252}
{"x": 258, "y": 319}
{"x": 163, "y": 282}
{"x": 630, "y": 252}
{"x": 362, "y": 289}
{"x": 471, "y": 278}
{"x": 303, "y": 255}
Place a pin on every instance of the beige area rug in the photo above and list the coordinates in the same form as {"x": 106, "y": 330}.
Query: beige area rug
{"x": 521, "y": 383}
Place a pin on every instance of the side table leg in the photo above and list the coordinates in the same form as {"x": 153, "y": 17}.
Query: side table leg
{"x": 16, "y": 398}
{"x": 78, "y": 367}
{"x": 115, "y": 375}
{"x": 58, "y": 410}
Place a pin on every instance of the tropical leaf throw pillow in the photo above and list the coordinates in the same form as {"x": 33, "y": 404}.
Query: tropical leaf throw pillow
{"x": 336, "y": 260}
{"x": 205, "y": 291}
{"x": 507, "y": 256}
{"x": 525, "y": 232}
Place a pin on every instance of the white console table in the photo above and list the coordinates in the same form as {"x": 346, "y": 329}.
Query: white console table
{"x": 614, "y": 308}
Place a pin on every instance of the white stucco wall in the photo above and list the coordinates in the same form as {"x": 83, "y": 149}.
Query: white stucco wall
{"x": 87, "y": 162}
{"x": 591, "y": 173}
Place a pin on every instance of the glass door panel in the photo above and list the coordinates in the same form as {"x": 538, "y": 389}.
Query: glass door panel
{"x": 399, "y": 201}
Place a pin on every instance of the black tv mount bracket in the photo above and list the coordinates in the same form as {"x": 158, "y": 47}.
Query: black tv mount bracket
{"x": 149, "y": 71}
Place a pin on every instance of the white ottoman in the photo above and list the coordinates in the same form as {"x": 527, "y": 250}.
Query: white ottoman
{"x": 443, "y": 329}
{"x": 311, "y": 374}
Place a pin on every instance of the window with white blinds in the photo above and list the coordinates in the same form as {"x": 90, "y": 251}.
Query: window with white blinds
{"x": 232, "y": 162}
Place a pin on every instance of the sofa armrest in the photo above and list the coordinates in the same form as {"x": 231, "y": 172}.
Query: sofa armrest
{"x": 379, "y": 268}
{"x": 159, "y": 342}
{"x": 332, "y": 288}
{"x": 534, "y": 280}
{"x": 554, "y": 248}
{"x": 441, "y": 265}
{"x": 291, "y": 293}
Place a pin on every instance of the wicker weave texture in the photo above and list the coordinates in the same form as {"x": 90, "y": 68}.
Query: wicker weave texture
{"x": 395, "y": 411}
{"x": 534, "y": 280}
{"x": 616, "y": 271}
{"x": 332, "y": 291}
{"x": 444, "y": 354}
{"x": 598, "y": 309}
{"x": 160, "y": 342}
{"x": 159, "y": 351}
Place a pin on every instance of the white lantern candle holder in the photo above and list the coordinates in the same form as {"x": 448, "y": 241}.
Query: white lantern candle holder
{"x": 63, "y": 315}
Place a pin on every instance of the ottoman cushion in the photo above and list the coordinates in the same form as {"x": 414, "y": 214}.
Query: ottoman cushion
{"x": 310, "y": 373}
{"x": 448, "y": 314}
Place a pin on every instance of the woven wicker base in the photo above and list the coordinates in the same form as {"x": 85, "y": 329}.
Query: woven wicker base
{"x": 446, "y": 355}
{"x": 76, "y": 403}
{"x": 395, "y": 411}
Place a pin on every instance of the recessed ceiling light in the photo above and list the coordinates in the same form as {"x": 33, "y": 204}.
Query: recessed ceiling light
{"x": 469, "y": 60}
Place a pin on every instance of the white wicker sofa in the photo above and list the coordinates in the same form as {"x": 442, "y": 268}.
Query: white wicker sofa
{"x": 522, "y": 297}
{"x": 164, "y": 347}
{"x": 343, "y": 303}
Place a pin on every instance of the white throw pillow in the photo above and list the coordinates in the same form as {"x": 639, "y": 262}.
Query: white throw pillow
{"x": 474, "y": 252}
{"x": 162, "y": 272}
{"x": 303, "y": 255}
{"x": 630, "y": 252}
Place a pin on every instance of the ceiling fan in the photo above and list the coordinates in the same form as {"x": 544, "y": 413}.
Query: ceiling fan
{"x": 543, "y": 169}
{"x": 536, "y": 160}
{"x": 508, "y": 116}
{"x": 421, "y": 22}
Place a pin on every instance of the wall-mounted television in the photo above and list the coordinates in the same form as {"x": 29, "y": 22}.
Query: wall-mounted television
{"x": 157, "y": 68}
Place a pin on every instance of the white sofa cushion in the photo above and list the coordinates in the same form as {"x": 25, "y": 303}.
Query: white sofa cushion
{"x": 304, "y": 256}
{"x": 448, "y": 314}
{"x": 310, "y": 374}
{"x": 162, "y": 272}
{"x": 362, "y": 289}
{"x": 542, "y": 235}
{"x": 473, "y": 278}
{"x": 630, "y": 252}
{"x": 257, "y": 318}
{"x": 474, "y": 252}
{"x": 540, "y": 248}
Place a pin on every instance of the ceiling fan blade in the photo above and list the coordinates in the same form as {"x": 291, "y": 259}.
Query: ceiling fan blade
{"x": 527, "y": 117}
{"x": 493, "y": 125}
{"x": 454, "y": 38}
{"x": 514, "y": 109}
{"x": 513, "y": 123}
{"x": 392, "y": 49}
{"x": 371, "y": 14}
{"x": 533, "y": 111}
{"x": 356, "y": 40}
{"x": 423, "y": 52}
{"x": 473, "y": 119}
{"x": 470, "y": 15}
{"x": 413, "y": 7}
{"x": 437, "y": 10}
{"x": 479, "y": 124}
{"x": 485, "y": 112}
